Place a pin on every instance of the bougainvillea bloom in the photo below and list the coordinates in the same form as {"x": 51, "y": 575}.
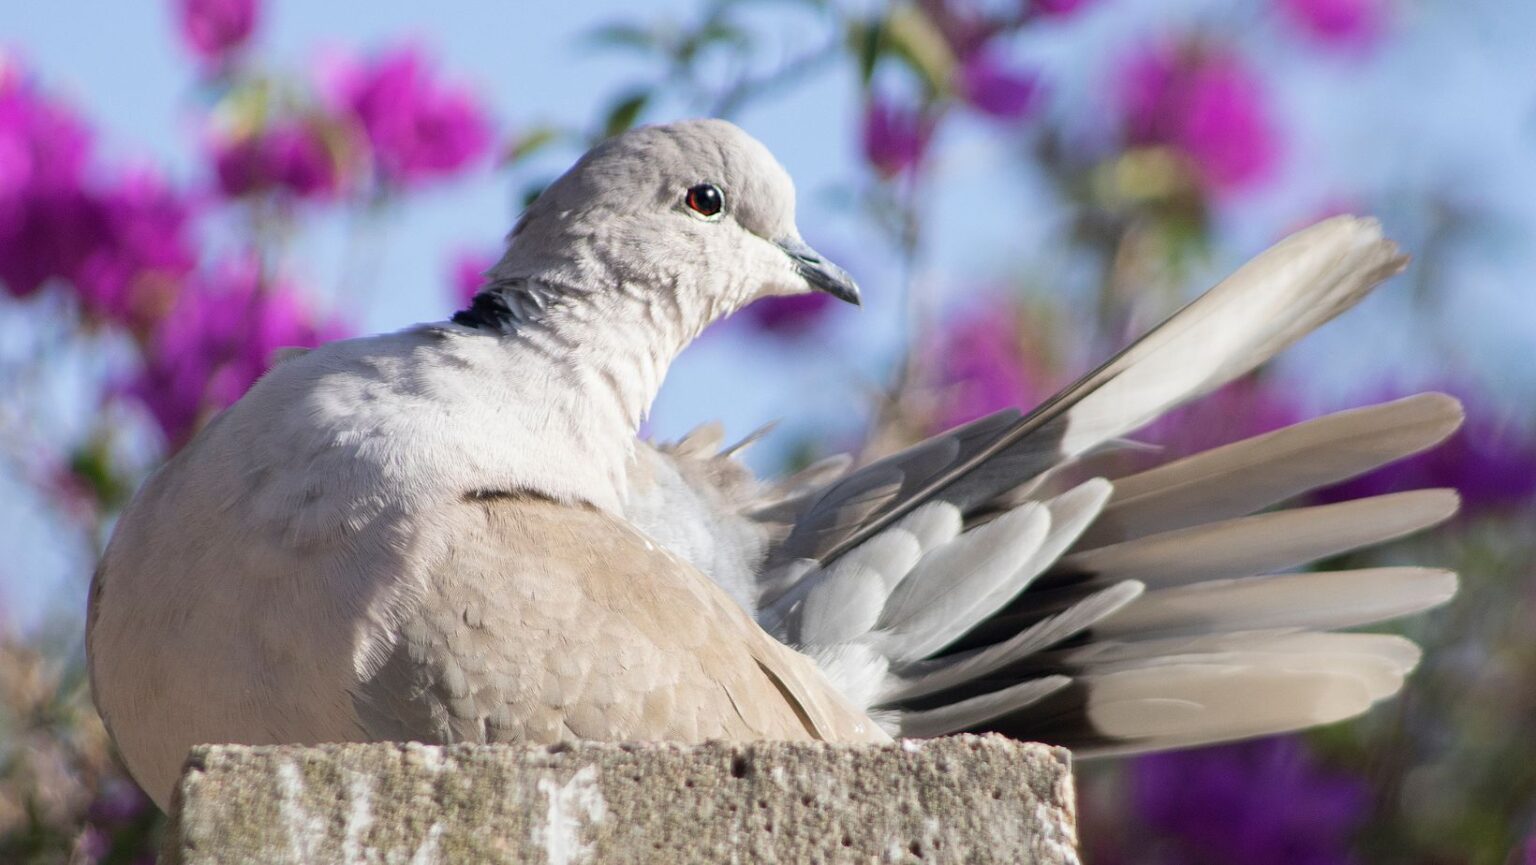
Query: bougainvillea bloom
{"x": 216, "y": 28}
{"x": 895, "y": 139}
{"x": 417, "y": 127}
{"x": 791, "y": 316}
{"x": 290, "y": 157}
{"x": 1059, "y": 8}
{"x": 144, "y": 250}
{"x": 994, "y": 89}
{"x": 1251, "y": 406}
{"x": 1206, "y": 104}
{"x": 979, "y": 366}
{"x": 47, "y": 222}
{"x": 1260, "y": 802}
{"x": 42, "y": 142}
{"x": 469, "y": 270}
{"x": 217, "y": 341}
{"x": 1339, "y": 23}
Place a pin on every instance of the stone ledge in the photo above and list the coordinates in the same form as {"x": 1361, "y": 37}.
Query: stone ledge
{"x": 972, "y": 799}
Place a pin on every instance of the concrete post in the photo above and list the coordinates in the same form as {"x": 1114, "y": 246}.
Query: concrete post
{"x": 963, "y": 799}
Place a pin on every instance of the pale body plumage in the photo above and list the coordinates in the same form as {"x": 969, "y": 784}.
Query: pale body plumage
{"x": 451, "y": 533}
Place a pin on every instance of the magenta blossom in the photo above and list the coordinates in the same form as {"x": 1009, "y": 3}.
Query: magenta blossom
{"x": 895, "y": 139}
{"x": 993, "y": 89}
{"x": 964, "y": 24}
{"x": 418, "y": 127}
{"x": 1251, "y": 406}
{"x": 47, "y": 222}
{"x": 43, "y": 144}
{"x": 290, "y": 157}
{"x": 1206, "y": 104}
{"x": 123, "y": 245}
{"x": 790, "y": 316}
{"x": 135, "y": 268}
{"x": 980, "y": 365}
{"x": 1338, "y": 23}
{"x": 1259, "y": 802}
{"x": 217, "y": 341}
{"x": 1057, "y": 8}
{"x": 48, "y": 235}
{"x": 217, "y": 28}
{"x": 469, "y": 269}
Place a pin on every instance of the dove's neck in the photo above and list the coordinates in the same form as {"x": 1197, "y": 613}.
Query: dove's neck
{"x": 589, "y": 366}
{"x": 614, "y": 355}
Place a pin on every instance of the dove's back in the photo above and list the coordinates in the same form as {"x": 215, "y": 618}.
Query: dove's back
{"x": 544, "y": 622}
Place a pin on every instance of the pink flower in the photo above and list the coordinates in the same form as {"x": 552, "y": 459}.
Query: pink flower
{"x": 418, "y": 128}
{"x": 216, "y": 28}
{"x": 1207, "y": 105}
{"x": 47, "y": 235}
{"x": 1264, "y": 802}
{"x": 46, "y": 222}
{"x": 965, "y": 25}
{"x": 994, "y": 89}
{"x": 1057, "y": 8}
{"x": 123, "y": 245}
{"x": 980, "y": 366}
{"x": 144, "y": 251}
{"x": 217, "y": 341}
{"x": 42, "y": 143}
{"x": 1337, "y": 23}
{"x": 895, "y": 139}
{"x": 291, "y": 157}
{"x": 788, "y": 317}
{"x": 1252, "y": 405}
{"x": 469, "y": 270}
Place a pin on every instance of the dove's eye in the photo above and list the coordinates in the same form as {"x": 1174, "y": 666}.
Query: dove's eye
{"x": 706, "y": 200}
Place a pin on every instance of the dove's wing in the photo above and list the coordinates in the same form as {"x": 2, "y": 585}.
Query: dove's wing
{"x": 954, "y": 586}
{"x": 543, "y": 622}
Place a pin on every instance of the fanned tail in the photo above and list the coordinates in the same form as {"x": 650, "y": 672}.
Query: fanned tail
{"x": 945, "y": 590}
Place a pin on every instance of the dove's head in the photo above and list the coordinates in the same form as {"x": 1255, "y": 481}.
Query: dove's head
{"x": 697, "y": 216}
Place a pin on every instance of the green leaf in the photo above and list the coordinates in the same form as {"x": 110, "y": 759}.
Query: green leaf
{"x": 530, "y": 142}
{"x": 623, "y": 36}
{"x": 913, "y": 35}
{"x": 625, "y": 112}
{"x": 867, "y": 40}
{"x": 531, "y": 192}
{"x": 92, "y": 464}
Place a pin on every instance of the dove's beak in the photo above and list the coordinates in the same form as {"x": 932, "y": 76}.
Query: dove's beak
{"x": 819, "y": 273}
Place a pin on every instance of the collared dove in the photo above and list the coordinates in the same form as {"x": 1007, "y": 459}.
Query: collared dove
{"x": 452, "y": 534}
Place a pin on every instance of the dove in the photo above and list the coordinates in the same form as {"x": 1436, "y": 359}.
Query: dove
{"x": 453, "y": 533}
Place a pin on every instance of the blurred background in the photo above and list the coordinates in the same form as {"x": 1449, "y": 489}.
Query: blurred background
{"x": 1019, "y": 185}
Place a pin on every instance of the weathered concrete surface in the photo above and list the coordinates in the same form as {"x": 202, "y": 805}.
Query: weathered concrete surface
{"x": 965, "y": 799}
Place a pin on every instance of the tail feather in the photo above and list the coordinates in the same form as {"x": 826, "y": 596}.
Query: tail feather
{"x": 1112, "y": 655}
{"x": 929, "y": 627}
{"x": 944, "y": 591}
{"x": 950, "y": 589}
{"x": 1262, "y": 544}
{"x": 1316, "y": 600}
{"x": 1247, "y": 476}
{"x": 924, "y": 677}
{"x": 975, "y": 711}
{"x": 1194, "y": 704}
{"x": 1286, "y": 292}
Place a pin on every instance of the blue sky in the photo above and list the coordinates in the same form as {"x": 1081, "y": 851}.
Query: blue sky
{"x": 1449, "y": 106}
